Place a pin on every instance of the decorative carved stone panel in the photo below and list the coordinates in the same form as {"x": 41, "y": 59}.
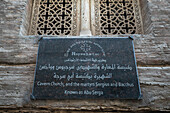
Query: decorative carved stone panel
{"x": 55, "y": 17}
{"x": 117, "y": 17}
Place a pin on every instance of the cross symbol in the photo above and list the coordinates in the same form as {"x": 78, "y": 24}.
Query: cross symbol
{"x": 62, "y": 28}
{"x": 109, "y": 28}
{"x": 85, "y": 47}
{"x": 45, "y": 29}
{"x": 127, "y": 28}
{"x": 125, "y": 14}
{"x": 124, "y": 2}
{"x": 107, "y": 2}
{"x": 63, "y": 15}
{"x": 108, "y": 14}
{"x": 48, "y": 3}
{"x": 46, "y": 15}
{"x": 64, "y": 3}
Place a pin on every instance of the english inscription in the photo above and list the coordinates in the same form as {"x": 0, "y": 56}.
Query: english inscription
{"x": 87, "y": 68}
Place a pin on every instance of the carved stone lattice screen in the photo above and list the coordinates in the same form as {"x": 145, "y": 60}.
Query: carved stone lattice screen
{"x": 117, "y": 17}
{"x": 54, "y": 17}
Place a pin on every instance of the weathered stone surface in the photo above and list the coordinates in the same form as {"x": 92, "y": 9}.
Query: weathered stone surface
{"x": 16, "y": 84}
{"x": 149, "y": 50}
{"x": 18, "y": 56}
{"x": 160, "y": 17}
{"x": 62, "y": 111}
{"x": 16, "y": 48}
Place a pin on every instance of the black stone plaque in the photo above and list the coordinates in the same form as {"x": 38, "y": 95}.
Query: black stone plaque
{"x": 86, "y": 68}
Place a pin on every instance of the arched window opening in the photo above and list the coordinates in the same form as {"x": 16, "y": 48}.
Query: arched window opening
{"x": 117, "y": 17}
{"x": 54, "y": 17}
{"x": 107, "y": 17}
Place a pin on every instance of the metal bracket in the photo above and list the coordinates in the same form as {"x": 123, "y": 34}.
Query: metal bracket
{"x": 130, "y": 37}
{"x": 32, "y": 97}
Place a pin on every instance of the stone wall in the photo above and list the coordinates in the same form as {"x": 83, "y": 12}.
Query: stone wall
{"x": 18, "y": 57}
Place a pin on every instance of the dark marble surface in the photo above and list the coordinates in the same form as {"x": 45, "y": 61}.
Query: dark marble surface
{"x": 86, "y": 68}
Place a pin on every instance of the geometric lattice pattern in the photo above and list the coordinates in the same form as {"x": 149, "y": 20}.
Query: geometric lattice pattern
{"x": 117, "y": 17}
{"x": 62, "y": 17}
{"x": 55, "y": 17}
